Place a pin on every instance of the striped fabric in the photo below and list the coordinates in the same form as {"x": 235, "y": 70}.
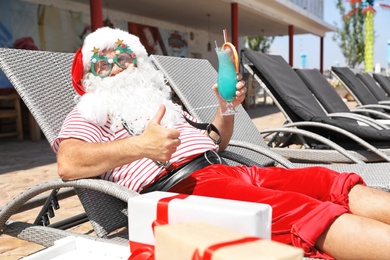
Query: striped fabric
{"x": 140, "y": 173}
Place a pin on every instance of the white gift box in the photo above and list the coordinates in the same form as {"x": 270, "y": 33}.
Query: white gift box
{"x": 77, "y": 248}
{"x": 248, "y": 218}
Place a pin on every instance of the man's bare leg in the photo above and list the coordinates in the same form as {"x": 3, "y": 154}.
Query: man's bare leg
{"x": 356, "y": 237}
{"x": 371, "y": 203}
{"x": 364, "y": 234}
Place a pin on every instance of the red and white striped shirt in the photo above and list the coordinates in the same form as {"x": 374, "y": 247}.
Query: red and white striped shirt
{"x": 140, "y": 173}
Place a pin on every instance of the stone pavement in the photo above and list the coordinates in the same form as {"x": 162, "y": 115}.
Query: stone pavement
{"x": 23, "y": 165}
{"x": 27, "y": 163}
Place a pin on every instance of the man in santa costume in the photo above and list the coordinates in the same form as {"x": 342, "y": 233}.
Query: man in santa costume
{"x": 126, "y": 129}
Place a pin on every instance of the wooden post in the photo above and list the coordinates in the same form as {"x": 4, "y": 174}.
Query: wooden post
{"x": 234, "y": 24}
{"x": 96, "y": 8}
{"x": 291, "y": 45}
{"x": 322, "y": 54}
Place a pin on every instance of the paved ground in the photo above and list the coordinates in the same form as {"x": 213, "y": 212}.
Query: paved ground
{"x": 23, "y": 165}
{"x": 17, "y": 156}
{"x": 27, "y": 163}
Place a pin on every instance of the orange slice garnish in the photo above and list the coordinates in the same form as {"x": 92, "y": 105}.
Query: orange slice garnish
{"x": 233, "y": 51}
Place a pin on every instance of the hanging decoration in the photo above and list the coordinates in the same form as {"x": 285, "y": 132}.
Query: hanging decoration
{"x": 107, "y": 22}
{"x": 208, "y": 33}
{"x": 369, "y": 11}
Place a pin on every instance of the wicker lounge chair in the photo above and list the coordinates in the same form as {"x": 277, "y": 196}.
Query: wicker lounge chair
{"x": 244, "y": 128}
{"x": 300, "y": 108}
{"x": 375, "y": 89}
{"x": 331, "y": 101}
{"x": 192, "y": 79}
{"x": 383, "y": 81}
{"x": 358, "y": 90}
{"x": 43, "y": 81}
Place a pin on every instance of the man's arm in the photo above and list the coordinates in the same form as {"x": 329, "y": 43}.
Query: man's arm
{"x": 79, "y": 159}
{"x": 225, "y": 124}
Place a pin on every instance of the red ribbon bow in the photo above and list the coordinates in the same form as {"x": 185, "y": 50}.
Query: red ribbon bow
{"x": 208, "y": 253}
{"x": 146, "y": 252}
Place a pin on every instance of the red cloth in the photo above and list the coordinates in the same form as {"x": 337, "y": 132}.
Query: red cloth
{"x": 304, "y": 201}
{"x": 26, "y": 43}
{"x": 78, "y": 72}
{"x": 6, "y": 91}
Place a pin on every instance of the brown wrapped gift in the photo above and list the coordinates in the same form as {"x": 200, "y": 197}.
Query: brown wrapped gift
{"x": 186, "y": 240}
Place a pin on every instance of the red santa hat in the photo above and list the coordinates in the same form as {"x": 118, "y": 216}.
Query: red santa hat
{"x": 102, "y": 38}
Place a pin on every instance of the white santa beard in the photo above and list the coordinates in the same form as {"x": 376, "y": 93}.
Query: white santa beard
{"x": 132, "y": 97}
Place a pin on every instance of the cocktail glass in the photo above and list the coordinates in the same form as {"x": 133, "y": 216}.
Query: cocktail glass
{"x": 227, "y": 79}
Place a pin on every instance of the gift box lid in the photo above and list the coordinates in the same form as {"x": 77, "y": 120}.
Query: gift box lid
{"x": 184, "y": 240}
{"x": 253, "y": 219}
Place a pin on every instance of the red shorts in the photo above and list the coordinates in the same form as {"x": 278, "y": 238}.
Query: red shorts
{"x": 304, "y": 201}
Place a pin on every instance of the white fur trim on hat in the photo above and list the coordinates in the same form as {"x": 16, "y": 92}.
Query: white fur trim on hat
{"x": 105, "y": 38}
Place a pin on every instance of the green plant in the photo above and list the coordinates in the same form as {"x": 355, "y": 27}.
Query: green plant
{"x": 259, "y": 43}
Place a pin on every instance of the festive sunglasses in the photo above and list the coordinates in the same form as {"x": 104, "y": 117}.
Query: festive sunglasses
{"x": 102, "y": 65}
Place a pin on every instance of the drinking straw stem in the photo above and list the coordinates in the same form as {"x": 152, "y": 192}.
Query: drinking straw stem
{"x": 216, "y": 45}
{"x": 225, "y": 36}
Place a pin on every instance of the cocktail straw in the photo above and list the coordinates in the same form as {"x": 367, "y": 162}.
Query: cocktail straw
{"x": 216, "y": 45}
{"x": 225, "y": 36}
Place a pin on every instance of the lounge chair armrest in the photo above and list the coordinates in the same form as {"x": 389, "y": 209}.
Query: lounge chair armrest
{"x": 367, "y": 111}
{"x": 261, "y": 150}
{"x": 360, "y": 118}
{"x": 353, "y": 137}
{"x": 288, "y": 129}
{"x": 102, "y": 186}
{"x": 47, "y": 236}
{"x": 384, "y": 102}
{"x": 376, "y": 106}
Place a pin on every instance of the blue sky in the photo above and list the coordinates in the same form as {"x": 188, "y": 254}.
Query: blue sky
{"x": 310, "y": 44}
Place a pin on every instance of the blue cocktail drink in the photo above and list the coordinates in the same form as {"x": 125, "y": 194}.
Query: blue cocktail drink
{"x": 227, "y": 78}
